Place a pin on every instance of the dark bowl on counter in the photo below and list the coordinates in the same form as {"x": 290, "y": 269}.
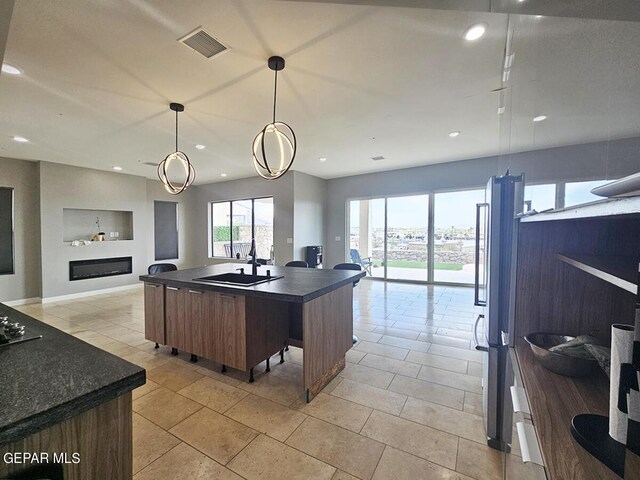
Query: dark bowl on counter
{"x": 556, "y": 362}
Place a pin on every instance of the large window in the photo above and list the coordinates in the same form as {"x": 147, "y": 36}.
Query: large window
{"x": 540, "y": 197}
{"x": 234, "y": 223}
{"x": 580, "y": 192}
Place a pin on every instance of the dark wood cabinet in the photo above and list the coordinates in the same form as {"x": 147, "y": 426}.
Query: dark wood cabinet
{"x": 154, "y": 317}
{"x": 229, "y": 332}
{"x": 175, "y": 317}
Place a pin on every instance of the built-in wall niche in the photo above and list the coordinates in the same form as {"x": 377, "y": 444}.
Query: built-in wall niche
{"x": 83, "y": 224}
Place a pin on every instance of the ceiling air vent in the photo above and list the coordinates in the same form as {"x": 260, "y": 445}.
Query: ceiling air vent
{"x": 376, "y": 159}
{"x": 203, "y": 43}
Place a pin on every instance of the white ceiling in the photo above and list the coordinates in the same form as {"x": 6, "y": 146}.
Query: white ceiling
{"x": 360, "y": 82}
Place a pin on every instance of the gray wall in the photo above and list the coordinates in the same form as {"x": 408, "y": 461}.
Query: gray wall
{"x": 577, "y": 162}
{"x": 63, "y": 186}
{"x": 282, "y": 191}
{"x": 310, "y": 198}
{"x": 23, "y": 176}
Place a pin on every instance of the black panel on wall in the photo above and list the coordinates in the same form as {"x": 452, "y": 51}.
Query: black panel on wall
{"x": 166, "y": 229}
{"x": 6, "y": 230}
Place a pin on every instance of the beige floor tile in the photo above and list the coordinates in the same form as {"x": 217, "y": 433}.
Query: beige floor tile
{"x": 185, "y": 463}
{"x": 369, "y": 396}
{"x": 451, "y": 379}
{"x": 150, "y": 442}
{"x": 384, "y": 350}
{"x": 172, "y": 376}
{"x": 473, "y": 403}
{"x": 444, "y": 340}
{"x": 336, "y": 410}
{"x": 216, "y": 395}
{"x": 364, "y": 326}
{"x": 428, "y": 443}
{"x": 336, "y": 446}
{"x": 417, "y": 327}
{"x": 415, "y": 345}
{"x": 454, "y": 332}
{"x": 147, "y": 360}
{"x": 391, "y": 365}
{"x": 398, "y": 465}
{"x": 144, "y": 389}
{"x": 274, "y": 387}
{"x": 118, "y": 348}
{"x": 462, "y": 424}
{"x": 459, "y": 353}
{"x": 397, "y": 332}
{"x": 475, "y": 369}
{"x": 368, "y": 375}
{"x": 329, "y": 387}
{"x": 479, "y": 461}
{"x": 266, "y": 417}
{"x": 354, "y": 356}
{"x": 211, "y": 369}
{"x": 268, "y": 459}
{"x": 340, "y": 475}
{"x": 367, "y": 336}
{"x": 215, "y": 435}
{"x": 445, "y": 363}
{"x": 164, "y": 407}
{"x": 431, "y": 392}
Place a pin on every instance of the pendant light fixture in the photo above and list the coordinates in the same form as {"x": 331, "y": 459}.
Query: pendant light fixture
{"x": 276, "y": 140}
{"x": 176, "y": 157}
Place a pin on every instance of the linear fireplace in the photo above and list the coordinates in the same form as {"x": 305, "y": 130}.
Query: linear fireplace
{"x": 99, "y": 267}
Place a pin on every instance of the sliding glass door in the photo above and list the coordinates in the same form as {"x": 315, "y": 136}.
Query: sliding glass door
{"x": 408, "y": 238}
{"x": 389, "y": 236}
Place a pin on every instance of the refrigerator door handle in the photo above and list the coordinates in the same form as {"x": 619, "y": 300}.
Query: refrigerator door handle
{"x": 476, "y": 286}
{"x": 478, "y": 347}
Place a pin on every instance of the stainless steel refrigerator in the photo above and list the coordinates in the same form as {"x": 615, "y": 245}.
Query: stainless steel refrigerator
{"x": 496, "y": 243}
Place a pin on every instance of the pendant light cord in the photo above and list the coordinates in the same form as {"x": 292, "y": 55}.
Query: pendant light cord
{"x": 176, "y": 131}
{"x": 275, "y": 91}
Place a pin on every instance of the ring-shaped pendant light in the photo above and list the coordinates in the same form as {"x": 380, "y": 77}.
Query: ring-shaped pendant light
{"x": 280, "y": 132}
{"x": 177, "y": 156}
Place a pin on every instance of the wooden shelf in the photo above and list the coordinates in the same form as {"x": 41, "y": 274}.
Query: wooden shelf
{"x": 608, "y": 207}
{"x": 619, "y": 271}
{"x": 554, "y": 400}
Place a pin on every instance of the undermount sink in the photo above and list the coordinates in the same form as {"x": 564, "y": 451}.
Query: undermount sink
{"x": 242, "y": 279}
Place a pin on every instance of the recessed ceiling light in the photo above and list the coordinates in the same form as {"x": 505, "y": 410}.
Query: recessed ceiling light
{"x": 539, "y": 118}
{"x": 322, "y": 159}
{"x": 117, "y": 168}
{"x": 475, "y": 32}
{"x": 223, "y": 174}
{"x": 454, "y": 134}
{"x": 10, "y": 69}
{"x": 201, "y": 147}
{"x": 20, "y": 139}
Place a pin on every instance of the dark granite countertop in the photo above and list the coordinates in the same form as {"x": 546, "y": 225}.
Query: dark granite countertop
{"x": 56, "y": 377}
{"x": 298, "y": 285}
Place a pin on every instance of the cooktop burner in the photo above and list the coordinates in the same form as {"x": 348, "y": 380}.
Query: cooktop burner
{"x": 11, "y": 333}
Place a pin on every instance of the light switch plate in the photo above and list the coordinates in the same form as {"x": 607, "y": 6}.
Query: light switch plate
{"x": 289, "y": 240}
{"x": 338, "y": 239}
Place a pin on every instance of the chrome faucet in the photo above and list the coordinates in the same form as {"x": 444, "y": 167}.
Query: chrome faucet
{"x": 254, "y": 260}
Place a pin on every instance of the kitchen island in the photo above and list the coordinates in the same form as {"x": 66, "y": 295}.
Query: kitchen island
{"x": 65, "y": 406}
{"x": 242, "y": 326}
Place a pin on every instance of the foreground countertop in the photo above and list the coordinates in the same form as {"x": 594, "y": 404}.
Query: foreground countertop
{"x": 298, "y": 285}
{"x": 51, "y": 379}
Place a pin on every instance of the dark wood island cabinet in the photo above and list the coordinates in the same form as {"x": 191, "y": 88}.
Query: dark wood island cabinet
{"x": 242, "y": 326}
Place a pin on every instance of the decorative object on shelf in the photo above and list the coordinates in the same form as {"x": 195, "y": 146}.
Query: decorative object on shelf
{"x": 179, "y": 157}
{"x": 277, "y": 135}
{"x": 562, "y": 364}
{"x": 621, "y": 352}
{"x": 624, "y": 187}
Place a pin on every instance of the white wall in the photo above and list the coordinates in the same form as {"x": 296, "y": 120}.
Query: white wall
{"x": 23, "y": 176}
{"x": 577, "y": 162}
{"x": 310, "y": 198}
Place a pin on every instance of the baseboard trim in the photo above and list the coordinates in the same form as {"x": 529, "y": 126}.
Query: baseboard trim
{"x": 23, "y": 301}
{"x": 90, "y": 293}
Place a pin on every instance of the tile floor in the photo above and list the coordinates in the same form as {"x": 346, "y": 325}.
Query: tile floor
{"x": 407, "y": 405}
